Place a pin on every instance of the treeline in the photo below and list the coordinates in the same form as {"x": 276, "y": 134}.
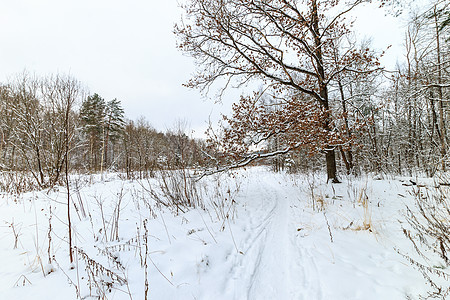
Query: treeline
{"x": 397, "y": 121}
{"x": 46, "y": 121}
{"x": 413, "y": 122}
{"x": 408, "y": 116}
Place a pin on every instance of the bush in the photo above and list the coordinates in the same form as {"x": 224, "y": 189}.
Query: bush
{"x": 429, "y": 232}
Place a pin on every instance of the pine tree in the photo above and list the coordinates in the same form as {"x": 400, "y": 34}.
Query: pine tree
{"x": 92, "y": 115}
{"x": 114, "y": 126}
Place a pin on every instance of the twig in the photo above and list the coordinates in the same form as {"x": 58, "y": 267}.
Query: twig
{"x": 329, "y": 228}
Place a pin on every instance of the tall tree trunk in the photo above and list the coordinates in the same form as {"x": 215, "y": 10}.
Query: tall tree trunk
{"x": 106, "y": 148}
{"x": 66, "y": 165}
{"x": 331, "y": 166}
{"x": 103, "y": 153}
{"x": 323, "y": 91}
{"x": 39, "y": 165}
{"x": 347, "y": 157}
{"x": 91, "y": 154}
{"x": 441, "y": 99}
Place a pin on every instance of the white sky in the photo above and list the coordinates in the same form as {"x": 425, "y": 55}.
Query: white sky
{"x": 126, "y": 50}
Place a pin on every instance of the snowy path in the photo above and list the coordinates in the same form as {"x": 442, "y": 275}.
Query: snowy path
{"x": 285, "y": 251}
{"x": 272, "y": 264}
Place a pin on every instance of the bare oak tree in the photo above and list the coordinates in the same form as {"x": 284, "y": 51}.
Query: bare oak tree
{"x": 288, "y": 46}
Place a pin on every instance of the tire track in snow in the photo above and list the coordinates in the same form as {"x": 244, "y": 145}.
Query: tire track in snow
{"x": 269, "y": 277}
{"x": 311, "y": 287}
{"x": 273, "y": 265}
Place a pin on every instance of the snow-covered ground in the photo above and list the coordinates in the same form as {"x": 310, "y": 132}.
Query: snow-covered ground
{"x": 260, "y": 236}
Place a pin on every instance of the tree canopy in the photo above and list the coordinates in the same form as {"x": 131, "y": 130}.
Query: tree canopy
{"x": 294, "y": 49}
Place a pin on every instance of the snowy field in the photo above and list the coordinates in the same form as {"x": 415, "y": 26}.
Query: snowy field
{"x": 259, "y": 235}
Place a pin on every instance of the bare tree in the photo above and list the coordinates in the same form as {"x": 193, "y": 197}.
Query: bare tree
{"x": 66, "y": 92}
{"x": 285, "y": 44}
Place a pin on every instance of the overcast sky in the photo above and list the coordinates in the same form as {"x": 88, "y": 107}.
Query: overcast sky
{"x": 126, "y": 50}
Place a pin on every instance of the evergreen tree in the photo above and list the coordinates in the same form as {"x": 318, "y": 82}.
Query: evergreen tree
{"x": 114, "y": 126}
{"x": 114, "y": 119}
{"x": 92, "y": 115}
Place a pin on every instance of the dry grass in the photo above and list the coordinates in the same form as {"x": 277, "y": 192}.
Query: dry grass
{"x": 429, "y": 232}
{"x": 363, "y": 199}
{"x": 321, "y": 204}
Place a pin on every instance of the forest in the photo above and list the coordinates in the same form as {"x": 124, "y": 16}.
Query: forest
{"x": 332, "y": 167}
